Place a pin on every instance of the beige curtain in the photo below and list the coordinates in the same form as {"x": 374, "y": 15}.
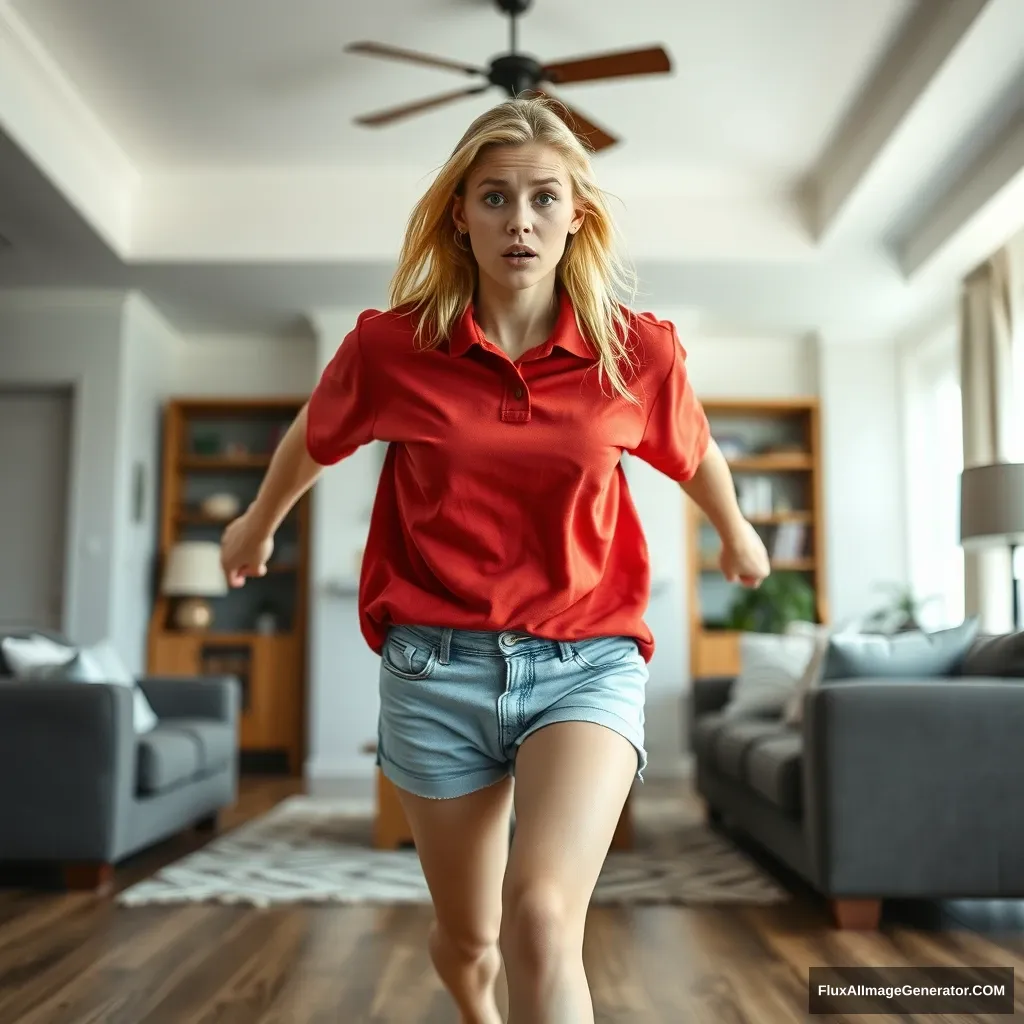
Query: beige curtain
{"x": 989, "y": 418}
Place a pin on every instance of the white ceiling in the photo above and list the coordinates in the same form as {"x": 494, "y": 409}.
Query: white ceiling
{"x": 243, "y": 82}
{"x": 820, "y": 166}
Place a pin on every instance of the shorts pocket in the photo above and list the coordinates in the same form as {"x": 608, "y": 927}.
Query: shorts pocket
{"x": 605, "y": 651}
{"x": 406, "y": 656}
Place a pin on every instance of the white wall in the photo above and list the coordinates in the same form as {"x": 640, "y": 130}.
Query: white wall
{"x": 56, "y": 338}
{"x": 242, "y": 365}
{"x": 865, "y": 500}
{"x": 147, "y": 351}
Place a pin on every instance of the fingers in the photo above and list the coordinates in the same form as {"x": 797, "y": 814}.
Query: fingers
{"x": 237, "y": 577}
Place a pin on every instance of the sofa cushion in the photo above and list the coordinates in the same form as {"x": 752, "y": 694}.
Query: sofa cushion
{"x": 167, "y": 757}
{"x": 773, "y": 768}
{"x": 771, "y": 667}
{"x": 901, "y": 655}
{"x": 995, "y": 656}
{"x": 705, "y": 729}
{"x": 215, "y": 740}
{"x": 734, "y": 741}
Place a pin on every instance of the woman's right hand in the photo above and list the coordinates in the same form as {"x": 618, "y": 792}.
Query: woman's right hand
{"x": 245, "y": 549}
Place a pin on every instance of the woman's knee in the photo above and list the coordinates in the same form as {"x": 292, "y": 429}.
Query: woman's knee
{"x": 537, "y": 927}
{"x": 467, "y": 944}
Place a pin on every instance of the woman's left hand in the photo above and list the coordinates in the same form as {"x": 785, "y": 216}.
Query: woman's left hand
{"x": 744, "y": 558}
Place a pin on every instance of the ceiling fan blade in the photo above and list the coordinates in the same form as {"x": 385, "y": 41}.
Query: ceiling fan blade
{"x": 396, "y": 53}
{"x": 652, "y": 61}
{"x": 407, "y": 110}
{"x": 592, "y": 135}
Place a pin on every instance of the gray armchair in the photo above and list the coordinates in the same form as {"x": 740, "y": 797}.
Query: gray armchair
{"x": 79, "y": 787}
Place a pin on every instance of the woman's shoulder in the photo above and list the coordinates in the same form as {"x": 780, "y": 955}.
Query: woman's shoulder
{"x": 652, "y": 339}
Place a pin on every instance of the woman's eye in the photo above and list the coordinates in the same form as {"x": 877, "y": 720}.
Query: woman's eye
{"x": 493, "y": 195}
{"x": 546, "y": 196}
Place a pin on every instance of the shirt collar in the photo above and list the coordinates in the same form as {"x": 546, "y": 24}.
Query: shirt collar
{"x": 566, "y": 334}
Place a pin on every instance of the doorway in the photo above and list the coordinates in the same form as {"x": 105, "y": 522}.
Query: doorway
{"x": 35, "y": 459}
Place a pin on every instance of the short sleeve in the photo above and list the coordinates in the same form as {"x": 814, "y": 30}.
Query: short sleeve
{"x": 677, "y": 432}
{"x": 341, "y": 410}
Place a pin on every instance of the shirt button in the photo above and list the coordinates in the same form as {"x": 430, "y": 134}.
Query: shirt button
{"x": 519, "y": 392}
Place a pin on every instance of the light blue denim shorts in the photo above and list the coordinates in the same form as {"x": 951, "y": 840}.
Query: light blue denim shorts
{"x": 456, "y": 704}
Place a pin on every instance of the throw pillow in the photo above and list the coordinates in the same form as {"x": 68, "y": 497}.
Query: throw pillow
{"x": 819, "y": 637}
{"x": 39, "y": 658}
{"x": 995, "y": 656}
{"x": 771, "y": 665}
{"x": 26, "y": 656}
{"x": 900, "y": 655}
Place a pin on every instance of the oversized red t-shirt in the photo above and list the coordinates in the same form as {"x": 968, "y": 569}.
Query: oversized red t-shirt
{"x": 502, "y": 503}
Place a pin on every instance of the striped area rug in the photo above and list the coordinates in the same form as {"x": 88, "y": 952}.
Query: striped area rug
{"x": 317, "y": 850}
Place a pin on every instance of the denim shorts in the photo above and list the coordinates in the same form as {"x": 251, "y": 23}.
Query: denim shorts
{"x": 456, "y": 704}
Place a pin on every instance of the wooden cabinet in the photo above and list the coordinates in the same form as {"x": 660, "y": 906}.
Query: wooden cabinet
{"x": 774, "y": 452}
{"x": 215, "y": 451}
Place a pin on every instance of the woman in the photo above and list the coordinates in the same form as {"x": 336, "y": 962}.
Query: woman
{"x": 505, "y": 572}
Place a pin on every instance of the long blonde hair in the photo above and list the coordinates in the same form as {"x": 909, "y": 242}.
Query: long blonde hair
{"x": 436, "y": 277}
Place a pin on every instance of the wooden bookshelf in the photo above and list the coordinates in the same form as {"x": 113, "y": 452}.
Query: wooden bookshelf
{"x": 259, "y": 631}
{"x": 774, "y": 451}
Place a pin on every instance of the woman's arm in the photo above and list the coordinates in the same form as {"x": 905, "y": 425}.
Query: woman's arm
{"x": 248, "y": 542}
{"x": 744, "y": 558}
{"x": 291, "y": 473}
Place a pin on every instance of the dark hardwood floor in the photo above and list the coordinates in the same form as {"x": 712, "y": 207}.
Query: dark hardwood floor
{"x": 72, "y": 958}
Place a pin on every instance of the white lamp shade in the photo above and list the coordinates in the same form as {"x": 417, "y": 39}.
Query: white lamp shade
{"x": 992, "y": 505}
{"x": 194, "y": 570}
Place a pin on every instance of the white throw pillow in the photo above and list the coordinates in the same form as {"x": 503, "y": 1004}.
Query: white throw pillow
{"x": 37, "y": 657}
{"x": 771, "y": 666}
{"x": 28, "y": 657}
{"x": 818, "y": 636}
{"x": 104, "y": 665}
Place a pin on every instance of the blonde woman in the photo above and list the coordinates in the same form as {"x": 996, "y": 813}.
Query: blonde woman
{"x": 505, "y": 574}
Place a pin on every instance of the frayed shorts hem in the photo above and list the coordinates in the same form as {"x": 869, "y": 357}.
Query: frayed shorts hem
{"x": 455, "y": 786}
{"x": 440, "y": 789}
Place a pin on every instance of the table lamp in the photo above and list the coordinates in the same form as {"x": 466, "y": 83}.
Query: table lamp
{"x": 194, "y": 574}
{"x": 992, "y": 513}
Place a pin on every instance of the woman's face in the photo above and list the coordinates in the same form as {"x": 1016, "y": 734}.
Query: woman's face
{"x": 518, "y": 199}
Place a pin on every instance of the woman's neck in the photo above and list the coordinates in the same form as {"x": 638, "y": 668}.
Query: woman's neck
{"x": 516, "y": 320}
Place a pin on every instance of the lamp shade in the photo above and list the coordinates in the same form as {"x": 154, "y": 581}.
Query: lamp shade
{"x": 194, "y": 570}
{"x": 992, "y": 505}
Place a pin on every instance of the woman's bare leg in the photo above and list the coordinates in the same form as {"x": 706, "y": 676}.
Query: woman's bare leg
{"x": 463, "y": 847}
{"x": 572, "y": 780}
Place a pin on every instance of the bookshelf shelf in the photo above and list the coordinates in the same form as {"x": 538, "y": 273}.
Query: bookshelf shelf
{"x": 214, "y": 454}
{"x": 773, "y": 448}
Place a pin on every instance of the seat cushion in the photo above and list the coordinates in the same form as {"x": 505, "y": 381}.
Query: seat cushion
{"x": 734, "y": 741}
{"x": 167, "y": 757}
{"x": 216, "y": 740}
{"x": 773, "y": 770}
{"x": 180, "y": 749}
{"x": 705, "y": 729}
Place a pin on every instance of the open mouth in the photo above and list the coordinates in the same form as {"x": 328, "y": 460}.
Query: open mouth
{"x": 519, "y": 254}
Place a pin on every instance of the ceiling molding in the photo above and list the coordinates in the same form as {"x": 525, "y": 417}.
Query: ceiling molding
{"x": 41, "y": 111}
{"x": 908, "y": 70}
{"x": 973, "y": 218}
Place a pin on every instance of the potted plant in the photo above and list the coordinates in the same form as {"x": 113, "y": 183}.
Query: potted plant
{"x": 782, "y": 598}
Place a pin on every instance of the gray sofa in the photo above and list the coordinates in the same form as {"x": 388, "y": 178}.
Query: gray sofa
{"x": 904, "y": 788}
{"x": 79, "y": 788}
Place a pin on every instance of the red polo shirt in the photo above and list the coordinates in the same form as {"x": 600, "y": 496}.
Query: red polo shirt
{"x": 502, "y": 503}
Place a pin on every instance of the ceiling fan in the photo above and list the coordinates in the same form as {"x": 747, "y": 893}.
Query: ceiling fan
{"x": 518, "y": 73}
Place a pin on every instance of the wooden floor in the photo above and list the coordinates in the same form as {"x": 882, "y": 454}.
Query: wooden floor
{"x": 75, "y": 958}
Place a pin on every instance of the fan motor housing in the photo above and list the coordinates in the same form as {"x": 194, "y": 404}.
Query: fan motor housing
{"x": 514, "y": 6}
{"x": 515, "y": 73}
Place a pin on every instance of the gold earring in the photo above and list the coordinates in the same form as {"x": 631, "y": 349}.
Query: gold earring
{"x": 459, "y": 236}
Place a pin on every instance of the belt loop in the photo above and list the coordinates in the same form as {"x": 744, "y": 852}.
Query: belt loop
{"x": 446, "y": 644}
{"x": 565, "y": 650}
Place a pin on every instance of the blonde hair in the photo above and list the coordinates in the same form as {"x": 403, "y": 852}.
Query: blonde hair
{"x": 436, "y": 276}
